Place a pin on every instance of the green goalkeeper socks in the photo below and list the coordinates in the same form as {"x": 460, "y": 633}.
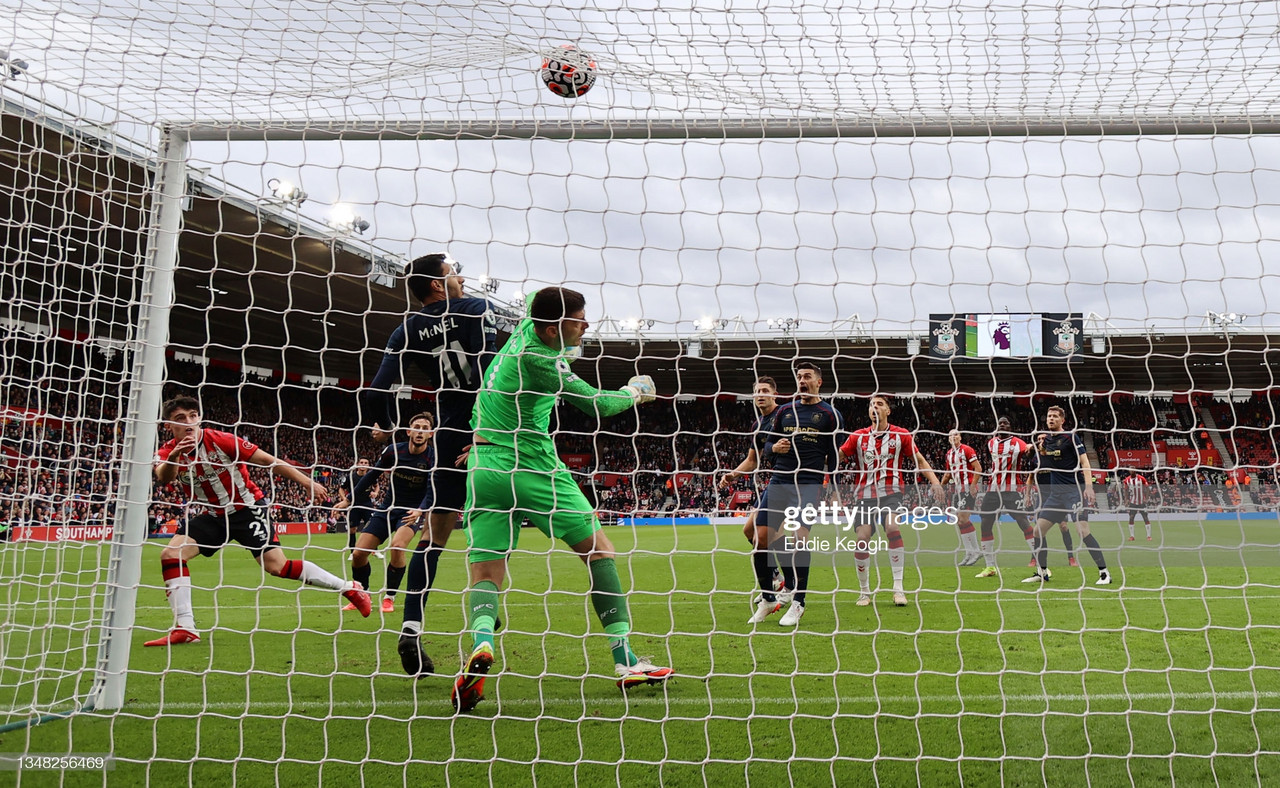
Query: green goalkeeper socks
{"x": 483, "y": 599}
{"x": 611, "y": 607}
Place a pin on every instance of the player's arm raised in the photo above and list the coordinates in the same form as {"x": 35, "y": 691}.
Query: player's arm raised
{"x": 553, "y": 374}
{"x": 377, "y": 401}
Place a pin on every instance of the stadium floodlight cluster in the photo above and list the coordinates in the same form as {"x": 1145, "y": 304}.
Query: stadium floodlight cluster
{"x": 869, "y": 255}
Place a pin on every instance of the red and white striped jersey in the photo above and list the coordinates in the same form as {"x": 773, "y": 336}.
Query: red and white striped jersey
{"x": 1135, "y": 490}
{"x": 879, "y": 457}
{"x": 1006, "y": 456}
{"x": 217, "y": 475}
{"x": 959, "y": 459}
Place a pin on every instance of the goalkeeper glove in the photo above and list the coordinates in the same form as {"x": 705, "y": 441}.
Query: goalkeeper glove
{"x": 641, "y": 388}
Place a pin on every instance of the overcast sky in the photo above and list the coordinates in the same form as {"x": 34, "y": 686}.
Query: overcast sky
{"x": 1156, "y": 230}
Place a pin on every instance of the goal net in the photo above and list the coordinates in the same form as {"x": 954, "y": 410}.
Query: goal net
{"x": 978, "y": 210}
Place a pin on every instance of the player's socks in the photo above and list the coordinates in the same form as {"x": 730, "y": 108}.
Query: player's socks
{"x": 611, "y": 606}
{"x": 802, "y": 577}
{"x": 395, "y": 576}
{"x": 969, "y": 538}
{"x": 784, "y": 561}
{"x": 860, "y": 560}
{"x": 897, "y": 556}
{"x": 361, "y": 575}
{"x": 1095, "y": 551}
{"x": 1148, "y": 522}
{"x": 1028, "y": 533}
{"x": 1130, "y": 527}
{"x": 989, "y": 549}
{"x": 764, "y": 573}
{"x": 351, "y": 539}
{"x": 483, "y": 602}
{"x": 1041, "y": 550}
{"x": 177, "y": 586}
{"x": 620, "y": 646}
{"x": 422, "y": 576}
{"x": 312, "y": 575}
{"x": 1069, "y": 543}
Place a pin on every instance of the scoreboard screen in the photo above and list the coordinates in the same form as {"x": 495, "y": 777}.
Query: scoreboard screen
{"x": 1011, "y": 335}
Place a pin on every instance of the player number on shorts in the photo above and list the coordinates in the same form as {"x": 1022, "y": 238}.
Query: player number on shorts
{"x": 260, "y": 528}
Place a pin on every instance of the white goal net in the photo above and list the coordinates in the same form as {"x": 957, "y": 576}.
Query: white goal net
{"x": 964, "y": 220}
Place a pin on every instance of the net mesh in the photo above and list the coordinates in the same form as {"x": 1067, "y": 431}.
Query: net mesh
{"x": 705, "y": 264}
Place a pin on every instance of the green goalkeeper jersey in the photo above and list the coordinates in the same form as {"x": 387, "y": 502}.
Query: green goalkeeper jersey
{"x": 519, "y": 391}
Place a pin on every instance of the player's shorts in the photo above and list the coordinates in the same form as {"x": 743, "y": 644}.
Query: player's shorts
{"x": 871, "y": 511}
{"x": 250, "y": 527}
{"x": 1137, "y": 507}
{"x": 1060, "y": 506}
{"x": 358, "y": 517}
{"x": 385, "y": 522}
{"x": 996, "y": 501}
{"x": 965, "y": 501}
{"x": 785, "y": 494}
{"x": 448, "y": 481}
{"x": 500, "y": 496}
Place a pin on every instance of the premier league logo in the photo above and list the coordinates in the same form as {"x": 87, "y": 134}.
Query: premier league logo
{"x": 945, "y": 339}
{"x": 1066, "y": 334}
{"x": 1001, "y": 336}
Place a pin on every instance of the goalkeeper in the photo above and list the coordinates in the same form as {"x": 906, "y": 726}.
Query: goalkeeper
{"x": 514, "y": 473}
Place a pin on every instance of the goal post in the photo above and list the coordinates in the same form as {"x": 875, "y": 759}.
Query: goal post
{"x": 155, "y": 301}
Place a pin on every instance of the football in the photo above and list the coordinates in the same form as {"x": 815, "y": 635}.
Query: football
{"x": 568, "y": 72}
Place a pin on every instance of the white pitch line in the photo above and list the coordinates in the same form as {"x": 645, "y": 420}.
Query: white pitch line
{"x": 658, "y": 700}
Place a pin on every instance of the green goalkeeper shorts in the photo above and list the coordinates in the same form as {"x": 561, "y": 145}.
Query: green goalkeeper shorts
{"x": 500, "y": 496}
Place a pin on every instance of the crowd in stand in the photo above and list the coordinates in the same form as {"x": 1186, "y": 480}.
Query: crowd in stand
{"x": 666, "y": 458}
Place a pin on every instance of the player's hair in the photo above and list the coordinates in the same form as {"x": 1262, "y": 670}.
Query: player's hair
{"x": 424, "y": 415}
{"x": 423, "y": 271}
{"x": 954, "y": 431}
{"x": 817, "y": 370}
{"x": 765, "y": 380}
{"x": 180, "y": 402}
{"x": 1052, "y": 408}
{"x": 553, "y": 304}
{"x": 884, "y": 397}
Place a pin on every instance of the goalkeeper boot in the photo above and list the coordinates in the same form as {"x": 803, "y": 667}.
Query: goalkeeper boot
{"x": 468, "y": 690}
{"x": 641, "y": 673}
{"x": 175, "y": 638}
{"x": 413, "y": 658}
{"x": 764, "y": 609}
{"x": 358, "y": 599}
{"x": 1104, "y": 578}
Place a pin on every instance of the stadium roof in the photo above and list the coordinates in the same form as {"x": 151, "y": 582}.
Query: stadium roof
{"x": 261, "y": 288}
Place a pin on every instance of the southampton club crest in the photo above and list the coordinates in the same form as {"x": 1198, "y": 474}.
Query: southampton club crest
{"x": 1066, "y": 334}
{"x": 945, "y": 342}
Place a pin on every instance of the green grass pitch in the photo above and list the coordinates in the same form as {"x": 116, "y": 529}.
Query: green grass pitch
{"x": 1173, "y": 674}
